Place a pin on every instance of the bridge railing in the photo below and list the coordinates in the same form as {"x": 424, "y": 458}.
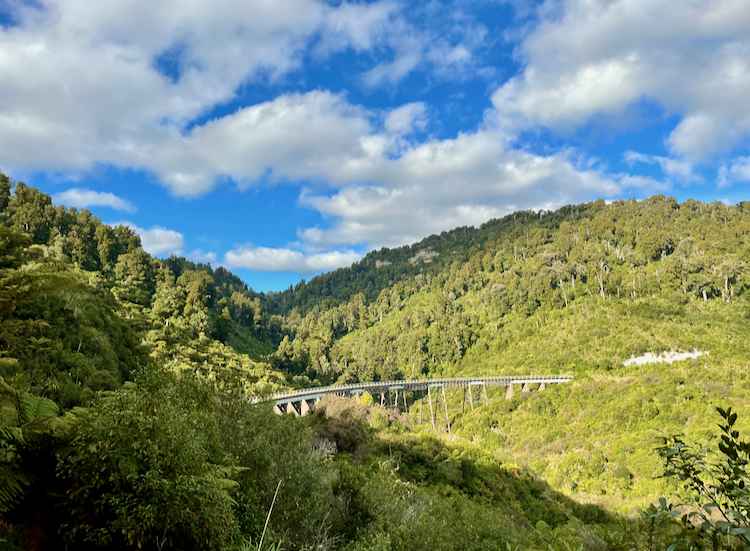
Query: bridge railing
{"x": 410, "y": 385}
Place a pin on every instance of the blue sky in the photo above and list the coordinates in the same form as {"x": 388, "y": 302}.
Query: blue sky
{"x": 286, "y": 138}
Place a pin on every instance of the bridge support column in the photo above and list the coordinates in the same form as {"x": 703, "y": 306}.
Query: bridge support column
{"x": 290, "y": 408}
{"x": 278, "y": 410}
{"x": 432, "y": 416}
{"x": 484, "y": 391}
{"x": 526, "y": 388}
{"x": 421, "y": 409}
{"x": 509, "y": 392}
{"x": 542, "y": 386}
{"x": 305, "y": 407}
{"x": 447, "y": 419}
{"x": 471, "y": 397}
{"x": 406, "y": 407}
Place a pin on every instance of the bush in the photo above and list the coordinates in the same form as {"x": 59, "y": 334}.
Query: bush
{"x": 146, "y": 470}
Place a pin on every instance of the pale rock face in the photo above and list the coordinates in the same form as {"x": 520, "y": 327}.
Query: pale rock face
{"x": 664, "y": 357}
{"x": 425, "y": 256}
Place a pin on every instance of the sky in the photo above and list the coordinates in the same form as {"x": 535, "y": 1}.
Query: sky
{"x": 285, "y": 138}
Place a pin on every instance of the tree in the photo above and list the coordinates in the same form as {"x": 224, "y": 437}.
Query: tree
{"x": 5, "y": 186}
{"x": 169, "y": 300}
{"x": 23, "y": 420}
{"x": 134, "y": 278}
{"x": 18, "y": 287}
{"x": 32, "y": 434}
{"x": 108, "y": 248}
{"x": 716, "y": 483}
{"x": 730, "y": 270}
{"x": 198, "y": 286}
{"x": 31, "y": 212}
{"x": 146, "y": 469}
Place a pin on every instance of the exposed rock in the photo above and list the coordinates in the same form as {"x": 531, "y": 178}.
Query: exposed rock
{"x": 664, "y": 357}
{"x": 423, "y": 255}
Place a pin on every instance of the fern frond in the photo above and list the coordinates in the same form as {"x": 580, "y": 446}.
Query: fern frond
{"x": 12, "y": 483}
{"x": 35, "y": 407}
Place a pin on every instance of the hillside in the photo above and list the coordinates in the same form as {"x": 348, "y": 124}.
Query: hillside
{"x": 125, "y": 419}
{"x": 434, "y": 254}
{"x": 611, "y": 282}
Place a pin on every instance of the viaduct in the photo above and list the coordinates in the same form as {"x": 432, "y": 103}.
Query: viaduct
{"x": 302, "y": 402}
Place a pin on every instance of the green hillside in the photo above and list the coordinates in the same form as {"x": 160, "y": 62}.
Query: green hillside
{"x": 609, "y": 283}
{"x": 126, "y": 419}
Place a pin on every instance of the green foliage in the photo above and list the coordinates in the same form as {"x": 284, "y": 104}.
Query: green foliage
{"x": 580, "y": 290}
{"x": 145, "y": 468}
{"x": 166, "y": 353}
{"x": 305, "y": 498}
{"x": 24, "y": 421}
{"x": 716, "y": 485}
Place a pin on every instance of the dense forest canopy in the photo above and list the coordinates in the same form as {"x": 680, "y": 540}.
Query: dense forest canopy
{"x": 126, "y": 384}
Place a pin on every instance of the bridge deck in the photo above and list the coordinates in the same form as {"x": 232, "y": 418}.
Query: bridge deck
{"x": 409, "y": 386}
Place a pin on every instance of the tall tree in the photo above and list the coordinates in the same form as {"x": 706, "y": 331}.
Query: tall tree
{"x": 5, "y": 187}
{"x": 31, "y": 212}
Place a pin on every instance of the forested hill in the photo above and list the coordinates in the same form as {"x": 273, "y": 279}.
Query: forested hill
{"x": 524, "y": 269}
{"x": 83, "y": 304}
{"x": 380, "y": 269}
{"x": 125, "y": 421}
{"x": 436, "y": 253}
{"x": 606, "y": 292}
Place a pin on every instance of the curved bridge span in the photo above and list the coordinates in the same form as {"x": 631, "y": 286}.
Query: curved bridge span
{"x": 301, "y": 402}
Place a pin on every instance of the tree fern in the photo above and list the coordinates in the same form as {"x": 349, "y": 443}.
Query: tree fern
{"x": 24, "y": 419}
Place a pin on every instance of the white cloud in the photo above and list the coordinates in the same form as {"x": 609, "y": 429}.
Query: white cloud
{"x": 84, "y": 198}
{"x": 157, "y": 240}
{"x": 587, "y": 59}
{"x": 287, "y": 260}
{"x": 386, "y": 191}
{"x": 678, "y": 168}
{"x": 443, "y": 184}
{"x": 79, "y": 87}
{"x": 80, "y": 83}
{"x": 199, "y": 256}
{"x": 738, "y": 171}
{"x": 295, "y": 136}
{"x": 405, "y": 119}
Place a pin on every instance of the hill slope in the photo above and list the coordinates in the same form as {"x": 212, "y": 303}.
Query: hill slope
{"x": 582, "y": 296}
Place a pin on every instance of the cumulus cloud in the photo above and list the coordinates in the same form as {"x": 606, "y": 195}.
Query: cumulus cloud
{"x": 157, "y": 240}
{"x": 84, "y": 198}
{"x": 160, "y": 241}
{"x": 738, "y": 171}
{"x": 287, "y": 260}
{"x": 386, "y": 191}
{"x": 153, "y": 69}
{"x": 585, "y": 59}
{"x": 86, "y": 83}
{"x": 295, "y": 136}
{"x": 443, "y": 184}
